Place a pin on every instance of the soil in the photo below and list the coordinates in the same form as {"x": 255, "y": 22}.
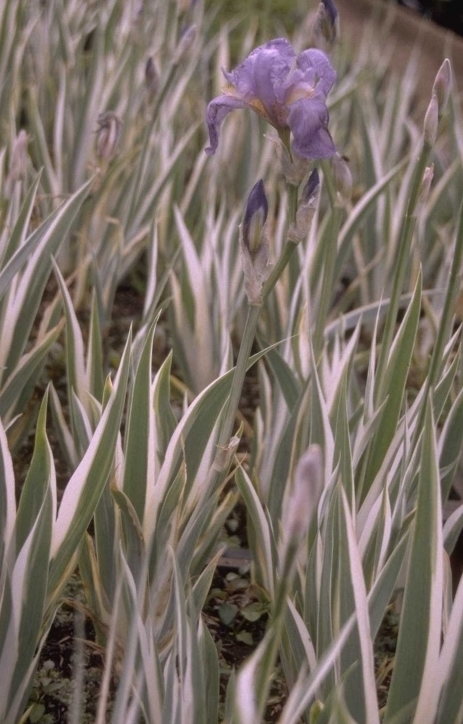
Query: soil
{"x": 66, "y": 650}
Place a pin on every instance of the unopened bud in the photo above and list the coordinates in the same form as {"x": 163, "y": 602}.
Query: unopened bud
{"x": 326, "y": 24}
{"x": 302, "y": 503}
{"x": 18, "y": 159}
{"x": 342, "y": 177}
{"x": 431, "y": 121}
{"x": 107, "y": 136}
{"x": 185, "y": 44}
{"x": 255, "y": 216}
{"x": 151, "y": 78}
{"x": 306, "y": 209}
{"x": 312, "y": 187}
{"x": 332, "y": 14}
{"x": 443, "y": 85}
{"x": 254, "y": 244}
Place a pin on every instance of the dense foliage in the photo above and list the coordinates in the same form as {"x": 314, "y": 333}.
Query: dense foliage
{"x": 314, "y": 257}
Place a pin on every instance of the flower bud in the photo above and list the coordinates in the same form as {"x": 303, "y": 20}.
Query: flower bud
{"x": 306, "y": 209}
{"x": 151, "y": 78}
{"x": 302, "y": 502}
{"x": 332, "y": 14}
{"x": 342, "y": 177}
{"x": 431, "y": 121}
{"x": 255, "y": 216}
{"x": 312, "y": 187}
{"x": 254, "y": 244}
{"x": 107, "y": 136}
{"x": 443, "y": 85}
{"x": 185, "y": 44}
{"x": 326, "y": 24}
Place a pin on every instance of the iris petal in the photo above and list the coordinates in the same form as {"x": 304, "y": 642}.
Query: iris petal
{"x": 217, "y": 110}
{"x": 316, "y": 61}
{"x": 287, "y": 91}
{"x": 308, "y": 121}
{"x": 271, "y": 69}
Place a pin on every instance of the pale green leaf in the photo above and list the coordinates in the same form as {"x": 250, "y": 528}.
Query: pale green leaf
{"x": 140, "y": 443}
{"x": 86, "y": 485}
{"x": 26, "y": 371}
{"x": 414, "y": 676}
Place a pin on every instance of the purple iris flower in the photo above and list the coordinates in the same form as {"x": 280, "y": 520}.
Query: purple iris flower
{"x": 287, "y": 90}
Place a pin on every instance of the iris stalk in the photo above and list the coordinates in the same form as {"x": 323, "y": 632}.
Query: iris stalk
{"x": 249, "y": 334}
{"x": 289, "y": 91}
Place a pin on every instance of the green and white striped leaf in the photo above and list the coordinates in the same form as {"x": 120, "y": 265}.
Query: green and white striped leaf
{"x": 86, "y": 485}
{"x": 414, "y": 676}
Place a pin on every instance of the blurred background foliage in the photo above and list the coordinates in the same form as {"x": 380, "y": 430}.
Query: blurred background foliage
{"x": 287, "y": 14}
{"x": 448, "y": 13}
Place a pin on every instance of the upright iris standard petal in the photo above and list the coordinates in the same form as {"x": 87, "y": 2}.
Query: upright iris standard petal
{"x": 258, "y": 79}
{"x": 315, "y": 62}
{"x": 288, "y": 91}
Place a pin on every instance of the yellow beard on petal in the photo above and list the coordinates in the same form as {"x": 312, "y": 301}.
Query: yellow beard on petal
{"x": 254, "y": 103}
{"x": 299, "y": 93}
{"x": 257, "y": 106}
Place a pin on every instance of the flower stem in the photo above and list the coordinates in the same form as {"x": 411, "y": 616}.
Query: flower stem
{"x": 292, "y": 202}
{"x": 281, "y": 264}
{"x": 249, "y": 334}
{"x": 329, "y": 182}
